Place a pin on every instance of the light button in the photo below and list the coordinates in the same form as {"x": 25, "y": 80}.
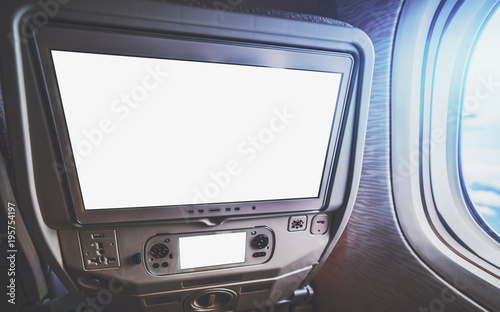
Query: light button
{"x": 320, "y": 224}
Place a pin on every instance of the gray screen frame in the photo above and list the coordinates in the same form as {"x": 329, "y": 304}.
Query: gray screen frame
{"x": 190, "y": 48}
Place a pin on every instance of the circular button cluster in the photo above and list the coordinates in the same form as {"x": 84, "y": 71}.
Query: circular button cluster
{"x": 159, "y": 250}
{"x": 260, "y": 241}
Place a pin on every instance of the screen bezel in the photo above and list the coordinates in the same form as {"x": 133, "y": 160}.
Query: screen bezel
{"x": 192, "y": 49}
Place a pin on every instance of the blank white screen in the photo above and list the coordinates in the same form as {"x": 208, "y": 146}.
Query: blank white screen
{"x": 210, "y": 250}
{"x": 206, "y": 133}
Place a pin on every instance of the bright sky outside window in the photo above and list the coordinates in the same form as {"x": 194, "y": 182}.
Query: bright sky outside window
{"x": 480, "y": 139}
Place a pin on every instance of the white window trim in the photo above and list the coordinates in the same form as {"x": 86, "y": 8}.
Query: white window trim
{"x": 433, "y": 43}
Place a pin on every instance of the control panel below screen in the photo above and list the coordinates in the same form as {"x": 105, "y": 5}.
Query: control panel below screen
{"x": 178, "y": 253}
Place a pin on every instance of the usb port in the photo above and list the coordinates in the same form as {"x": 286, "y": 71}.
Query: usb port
{"x": 97, "y": 235}
{"x": 214, "y": 210}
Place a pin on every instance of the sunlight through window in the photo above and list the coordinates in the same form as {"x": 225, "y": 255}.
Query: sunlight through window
{"x": 480, "y": 135}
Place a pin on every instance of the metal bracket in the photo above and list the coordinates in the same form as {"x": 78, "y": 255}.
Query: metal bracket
{"x": 300, "y": 301}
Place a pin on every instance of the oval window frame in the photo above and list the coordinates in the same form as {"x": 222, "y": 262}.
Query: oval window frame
{"x": 429, "y": 70}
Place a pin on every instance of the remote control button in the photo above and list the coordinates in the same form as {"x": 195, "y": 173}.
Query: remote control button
{"x": 259, "y": 254}
{"x": 260, "y": 241}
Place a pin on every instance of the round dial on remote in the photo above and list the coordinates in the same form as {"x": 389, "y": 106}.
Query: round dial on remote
{"x": 159, "y": 250}
{"x": 260, "y": 241}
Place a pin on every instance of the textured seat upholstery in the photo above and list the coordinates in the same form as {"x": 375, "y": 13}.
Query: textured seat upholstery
{"x": 251, "y": 7}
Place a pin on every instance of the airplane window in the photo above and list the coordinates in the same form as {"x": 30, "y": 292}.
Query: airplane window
{"x": 480, "y": 143}
{"x": 450, "y": 78}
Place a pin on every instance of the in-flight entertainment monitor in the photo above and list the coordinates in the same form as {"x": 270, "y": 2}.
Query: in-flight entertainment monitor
{"x": 169, "y": 127}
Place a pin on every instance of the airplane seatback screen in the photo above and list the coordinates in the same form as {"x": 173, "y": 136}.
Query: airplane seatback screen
{"x": 148, "y": 132}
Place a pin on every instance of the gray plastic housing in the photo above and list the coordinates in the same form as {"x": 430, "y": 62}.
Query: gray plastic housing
{"x": 45, "y": 199}
{"x": 238, "y": 38}
{"x": 193, "y": 47}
